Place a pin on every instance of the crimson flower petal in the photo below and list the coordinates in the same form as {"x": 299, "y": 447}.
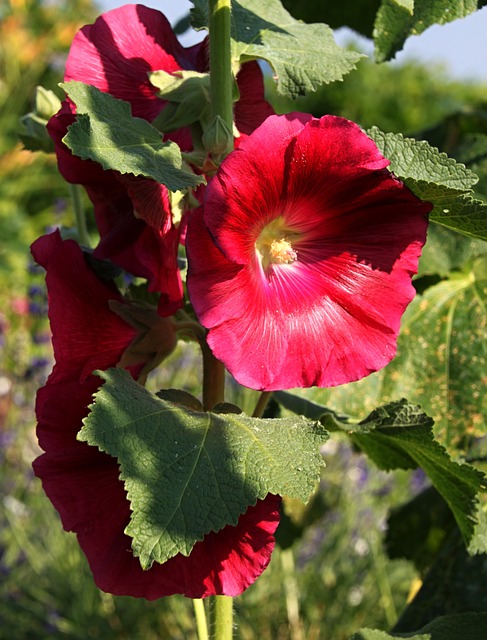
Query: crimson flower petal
{"x": 86, "y": 334}
{"x": 133, "y": 216}
{"x": 252, "y": 108}
{"x": 301, "y": 263}
{"x": 118, "y": 51}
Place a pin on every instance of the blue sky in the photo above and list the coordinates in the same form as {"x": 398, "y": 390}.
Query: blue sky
{"x": 460, "y": 45}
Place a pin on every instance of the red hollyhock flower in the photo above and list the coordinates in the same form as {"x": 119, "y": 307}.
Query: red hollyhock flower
{"x": 116, "y": 54}
{"x": 83, "y": 483}
{"x": 133, "y": 216}
{"x": 300, "y": 263}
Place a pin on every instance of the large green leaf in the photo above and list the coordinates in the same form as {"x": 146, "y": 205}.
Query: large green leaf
{"x": 452, "y": 208}
{"x": 458, "y": 484}
{"x": 188, "y": 473}
{"x": 302, "y": 56}
{"x": 105, "y": 131}
{"x": 396, "y": 20}
{"x": 435, "y": 177}
{"x": 399, "y": 435}
{"x": 417, "y": 159}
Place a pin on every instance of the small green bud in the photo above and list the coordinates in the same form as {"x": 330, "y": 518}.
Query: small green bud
{"x": 217, "y": 138}
{"x": 46, "y": 103}
{"x": 33, "y": 125}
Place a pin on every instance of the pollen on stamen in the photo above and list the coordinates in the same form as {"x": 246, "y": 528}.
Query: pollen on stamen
{"x": 281, "y": 252}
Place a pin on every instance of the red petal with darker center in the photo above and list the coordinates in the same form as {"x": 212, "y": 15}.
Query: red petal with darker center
{"x": 331, "y": 314}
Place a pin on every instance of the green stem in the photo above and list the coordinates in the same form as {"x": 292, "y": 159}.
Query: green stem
{"x": 79, "y": 214}
{"x": 383, "y": 583}
{"x": 200, "y": 615}
{"x": 221, "y": 77}
{"x": 221, "y": 83}
{"x": 261, "y": 404}
{"x": 222, "y": 610}
{"x": 291, "y": 591}
{"x": 213, "y": 378}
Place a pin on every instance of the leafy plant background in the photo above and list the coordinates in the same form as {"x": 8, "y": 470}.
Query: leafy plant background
{"x": 345, "y": 562}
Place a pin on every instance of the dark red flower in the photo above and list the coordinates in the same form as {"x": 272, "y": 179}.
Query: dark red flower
{"x": 83, "y": 483}
{"x": 301, "y": 263}
{"x": 117, "y": 53}
{"x": 134, "y": 217}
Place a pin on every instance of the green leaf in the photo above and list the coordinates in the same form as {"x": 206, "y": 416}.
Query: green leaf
{"x": 453, "y": 209}
{"x": 302, "y": 56}
{"x": 455, "y": 585}
{"x": 418, "y": 529}
{"x": 358, "y": 15}
{"x": 466, "y": 626}
{"x": 396, "y": 20}
{"x": 417, "y": 159}
{"x": 106, "y": 132}
{"x": 447, "y": 251}
{"x": 188, "y": 473}
{"x": 399, "y": 435}
{"x": 405, "y": 445}
{"x": 188, "y": 93}
{"x": 435, "y": 177}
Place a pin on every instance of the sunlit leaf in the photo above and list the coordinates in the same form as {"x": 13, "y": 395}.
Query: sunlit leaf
{"x": 105, "y": 131}
{"x": 399, "y": 435}
{"x": 187, "y": 472}
{"x": 396, "y": 20}
{"x": 435, "y": 177}
{"x": 302, "y": 56}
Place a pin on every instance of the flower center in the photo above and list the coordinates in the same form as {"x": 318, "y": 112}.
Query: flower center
{"x": 274, "y": 244}
{"x": 282, "y": 252}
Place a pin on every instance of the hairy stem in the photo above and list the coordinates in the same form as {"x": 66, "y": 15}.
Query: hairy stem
{"x": 222, "y": 610}
{"x": 79, "y": 214}
{"x": 221, "y": 78}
